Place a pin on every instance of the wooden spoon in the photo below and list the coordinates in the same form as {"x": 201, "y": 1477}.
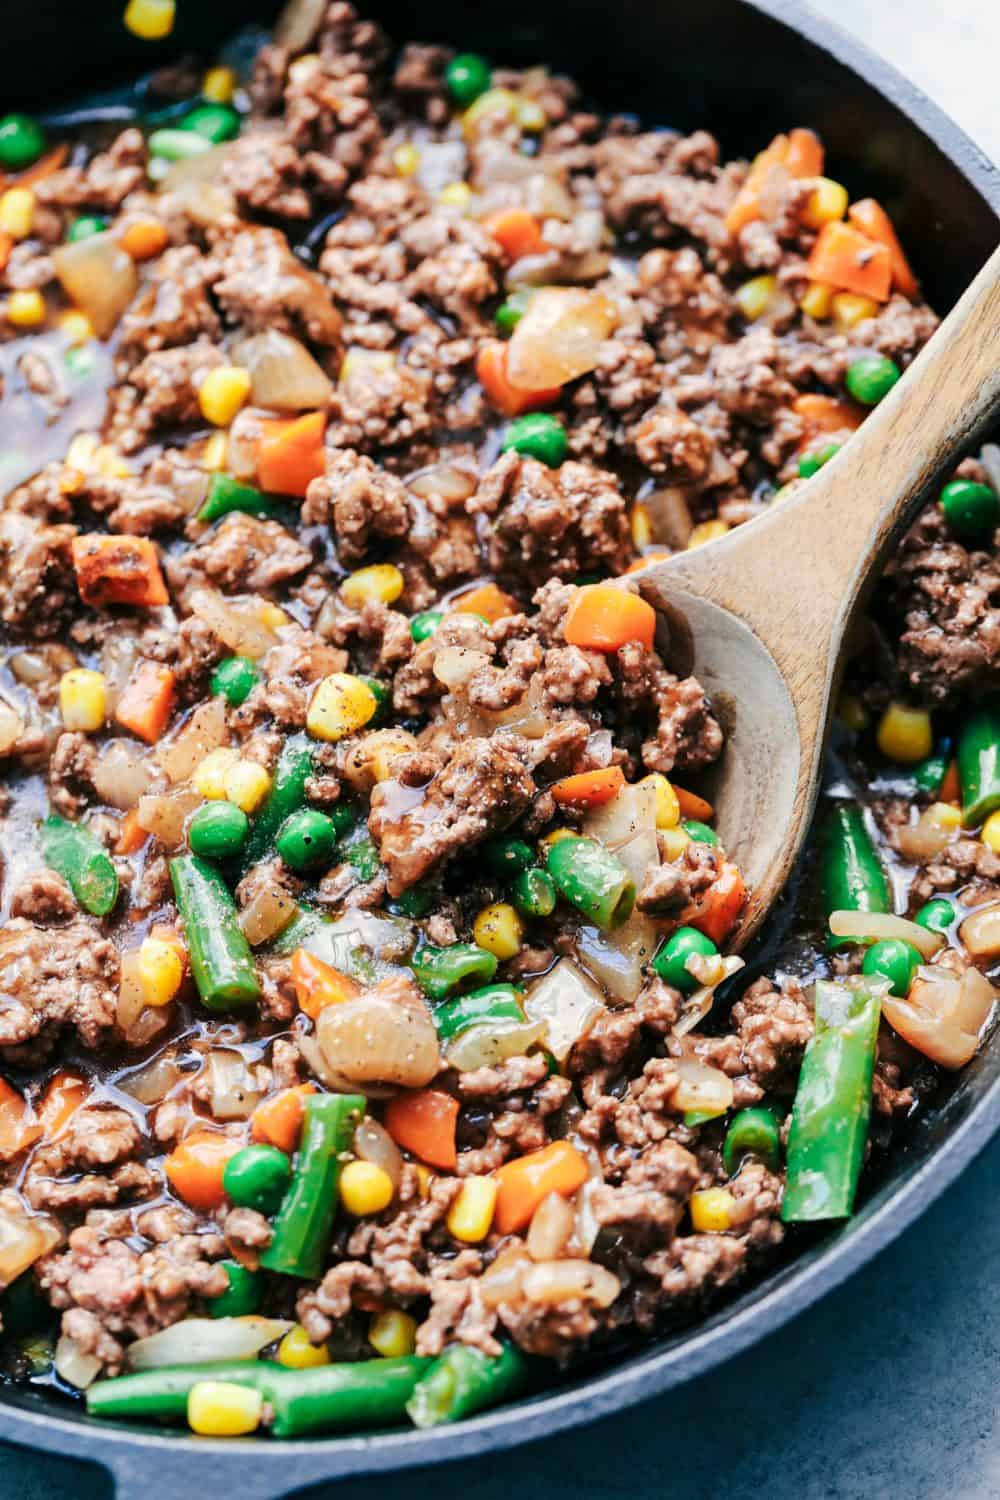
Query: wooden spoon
{"x": 760, "y": 615}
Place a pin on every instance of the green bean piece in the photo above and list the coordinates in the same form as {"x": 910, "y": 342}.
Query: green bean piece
{"x": 83, "y": 862}
{"x": 242, "y": 1295}
{"x": 161, "y": 1395}
{"x": 287, "y": 795}
{"x": 218, "y": 830}
{"x": 221, "y": 961}
{"x": 495, "y": 1002}
{"x": 930, "y": 773}
{"x": 235, "y": 679}
{"x": 306, "y": 839}
{"x": 826, "y": 1141}
{"x": 328, "y": 1398}
{"x": 590, "y": 877}
{"x": 414, "y": 903}
{"x": 463, "y": 1381}
{"x": 533, "y": 892}
{"x": 257, "y": 1177}
{"x": 227, "y": 494}
{"x": 216, "y": 122}
{"x": 177, "y": 145}
{"x": 302, "y": 1228}
{"x": 753, "y": 1132}
{"x": 439, "y": 971}
{"x": 363, "y": 856}
{"x": 852, "y": 875}
{"x": 979, "y": 763}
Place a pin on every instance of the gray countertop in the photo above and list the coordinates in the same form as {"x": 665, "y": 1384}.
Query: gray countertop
{"x": 890, "y": 1384}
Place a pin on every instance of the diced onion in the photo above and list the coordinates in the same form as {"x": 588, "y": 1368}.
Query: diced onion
{"x": 454, "y": 665}
{"x": 567, "y": 1003}
{"x": 943, "y": 1016}
{"x": 204, "y": 731}
{"x": 551, "y": 1225}
{"x": 200, "y": 1341}
{"x": 697, "y": 1005}
{"x": 234, "y": 1095}
{"x": 980, "y": 932}
{"x": 701, "y": 1087}
{"x": 138, "y": 1022}
{"x": 205, "y": 203}
{"x": 627, "y": 826}
{"x": 238, "y": 628}
{"x": 372, "y": 1142}
{"x": 559, "y": 338}
{"x": 241, "y": 449}
{"x": 491, "y": 1043}
{"x": 990, "y": 460}
{"x": 284, "y": 375}
{"x": 151, "y": 1084}
{"x": 24, "y": 1238}
{"x": 924, "y": 840}
{"x": 268, "y": 913}
{"x": 447, "y": 481}
{"x": 669, "y": 517}
{"x": 501, "y": 1282}
{"x": 122, "y": 775}
{"x": 619, "y": 820}
{"x": 74, "y": 1366}
{"x": 98, "y": 275}
{"x": 881, "y": 925}
{"x": 558, "y": 1281}
{"x": 373, "y": 1039}
{"x": 165, "y": 815}
{"x": 202, "y": 168}
{"x": 11, "y": 727}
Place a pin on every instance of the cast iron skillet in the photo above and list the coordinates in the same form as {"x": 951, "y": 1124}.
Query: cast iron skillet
{"x": 744, "y": 69}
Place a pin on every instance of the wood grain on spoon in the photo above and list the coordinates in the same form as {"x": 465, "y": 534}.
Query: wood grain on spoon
{"x": 765, "y": 609}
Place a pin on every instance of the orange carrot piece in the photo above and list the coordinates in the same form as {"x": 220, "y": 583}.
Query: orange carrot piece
{"x": 423, "y": 1121}
{"x": 491, "y": 372}
{"x": 589, "y": 788}
{"x": 526, "y": 1181}
{"x": 847, "y": 259}
{"x": 693, "y": 806}
{"x": 603, "y": 618}
{"x": 516, "y": 231}
{"x": 646, "y": 560}
{"x": 6, "y": 246}
{"x": 872, "y": 220}
{"x": 715, "y": 910}
{"x": 145, "y": 238}
{"x": 118, "y": 570}
{"x": 488, "y": 600}
{"x": 950, "y": 789}
{"x": 318, "y": 984}
{"x": 746, "y": 206}
{"x": 147, "y": 702}
{"x": 42, "y": 168}
{"x": 278, "y": 1120}
{"x": 131, "y": 834}
{"x": 823, "y": 414}
{"x": 62, "y": 1098}
{"x": 805, "y": 156}
{"x": 291, "y": 453}
{"x": 19, "y": 1128}
{"x": 194, "y": 1168}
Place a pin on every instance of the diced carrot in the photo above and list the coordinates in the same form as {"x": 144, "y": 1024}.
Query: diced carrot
{"x": 823, "y": 414}
{"x": 39, "y": 170}
{"x": 646, "y": 560}
{"x": 487, "y": 600}
{"x": 291, "y": 453}
{"x": 847, "y": 259}
{"x": 950, "y": 790}
{"x": 318, "y": 984}
{"x": 62, "y": 1098}
{"x": 423, "y": 1121}
{"x": 118, "y": 570}
{"x": 19, "y": 1127}
{"x": 147, "y": 702}
{"x": 746, "y": 206}
{"x": 491, "y": 372}
{"x": 194, "y": 1168}
{"x": 693, "y": 806}
{"x": 715, "y": 910}
{"x": 603, "y": 618}
{"x": 278, "y": 1120}
{"x": 6, "y": 246}
{"x": 589, "y": 788}
{"x": 145, "y": 238}
{"x": 805, "y": 156}
{"x": 871, "y": 218}
{"x": 528, "y": 1180}
{"x": 131, "y": 834}
{"x": 517, "y": 231}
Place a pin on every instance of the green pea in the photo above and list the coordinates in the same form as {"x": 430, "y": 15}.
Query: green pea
{"x": 937, "y": 916}
{"x": 218, "y": 830}
{"x": 538, "y": 435}
{"x": 242, "y": 1296}
{"x": 468, "y": 75}
{"x": 216, "y": 122}
{"x": 671, "y": 959}
{"x": 510, "y": 313}
{"x": 306, "y": 839}
{"x": 871, "y": 377}
{"x": 894, "y": 960}
{"x": 971, "y": 510}
{"x": 364, "y": 858}
{"x": 700, "y": 832}
{"x": 235, "y": 678}
{"x": 22, "y": 141}
{"x": 508, "y": 856}
{"x": 533, "y": 892}
{"x": 257, "y": 1177}
{"x": 86, "y": 226}
{"x": 177, "y": 145}
{"x": 425, "y": 624}
{"x": 811, "y": 463}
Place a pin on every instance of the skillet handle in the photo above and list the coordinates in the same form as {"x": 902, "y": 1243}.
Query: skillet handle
{"x": 234, "y": 1470}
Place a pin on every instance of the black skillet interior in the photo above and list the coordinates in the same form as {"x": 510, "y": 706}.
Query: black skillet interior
{"x": 744, "y": 69}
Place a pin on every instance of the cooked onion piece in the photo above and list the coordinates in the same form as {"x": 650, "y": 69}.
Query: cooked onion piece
{"x": 878, "y": 925}
{"x": 385, "y": 1035}
{"x": 559, "y": 338}
{"x": 980, "y": 932}
{"x": 199, "y": 1341}
{"x": 566, "y": 1003}
{"x": 284, "y": 375}
{"x": 98, "y": 275}
{"x": 944, "y": 1014}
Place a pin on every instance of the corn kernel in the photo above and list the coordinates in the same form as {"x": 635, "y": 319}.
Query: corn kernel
{"x": 711, "y": 1210}
{"x": 990, "y": 833}
{"x": 389, "y": 749}
{"x": 471, "y": 1214}
{"x": 554, "y": 836}
{"x": 673, "y": 842}
{"x": 499, "y": 930}
{"x": 851, "y": 711}
{"x": 82, "y": 452}
{"x": 365, "y": 1188}
{"x": 382, "y": 583}
{"x": 531, "y": 116}
{"x": 340, "y": 706}
{"x": 707, "y": 531}
{"x": 272, "y": 615}
{"x": 904, "y": 733}
{"x": 642, "y": 530}
{"x": 456, "y": 195}
{"x": 222, "y": 392}
{"x": 218, "y": 1408}
{"x": 151, "y": 20}
{"x": 26, "y": 309}
{"x": 17, "y": 212}
{"x": 83, "y": 699}
{"x": 817, "y": 301}
{"x": 406, "y": 159}
{"x": 297, "y": 1352}
{"x": 219, "y": 85}
{"x": 393, "y": 1333}
{"x": 849, "y": 309}
{"x": 110, "y": 464}
{"x": 668, "y": 809}
{"x": 948, "y": 817}
{"x": 161, "y": 971}
{"x": 501, "y": 102}
{"x": 77, "y": 327}
{"x": 209, "y": 777}
{"x": 826, "y": 203}
{"x": 246, "y": 784}
{"x": 753, "y": 297}
{"x": 215, "y": 453}
{"x": 424, "y": 1178}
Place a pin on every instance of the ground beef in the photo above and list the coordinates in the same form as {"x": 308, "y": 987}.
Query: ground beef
{"x": 37, "y": 579}
{"x": 774, "y": 1026}
{"x": 92, "y": 1163}
{"x": 173, "y": 308}
{"x": 53, "y": 979}
{"x": 362, "y": 504}
{"x": 670, "y": 887}
{"x": 161, "y": 391}
{"x": 260, "y": 284}
{"x": 43, "y": 897}
{"x": 104, "y": 183}
{"x": 242, "y": 554}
